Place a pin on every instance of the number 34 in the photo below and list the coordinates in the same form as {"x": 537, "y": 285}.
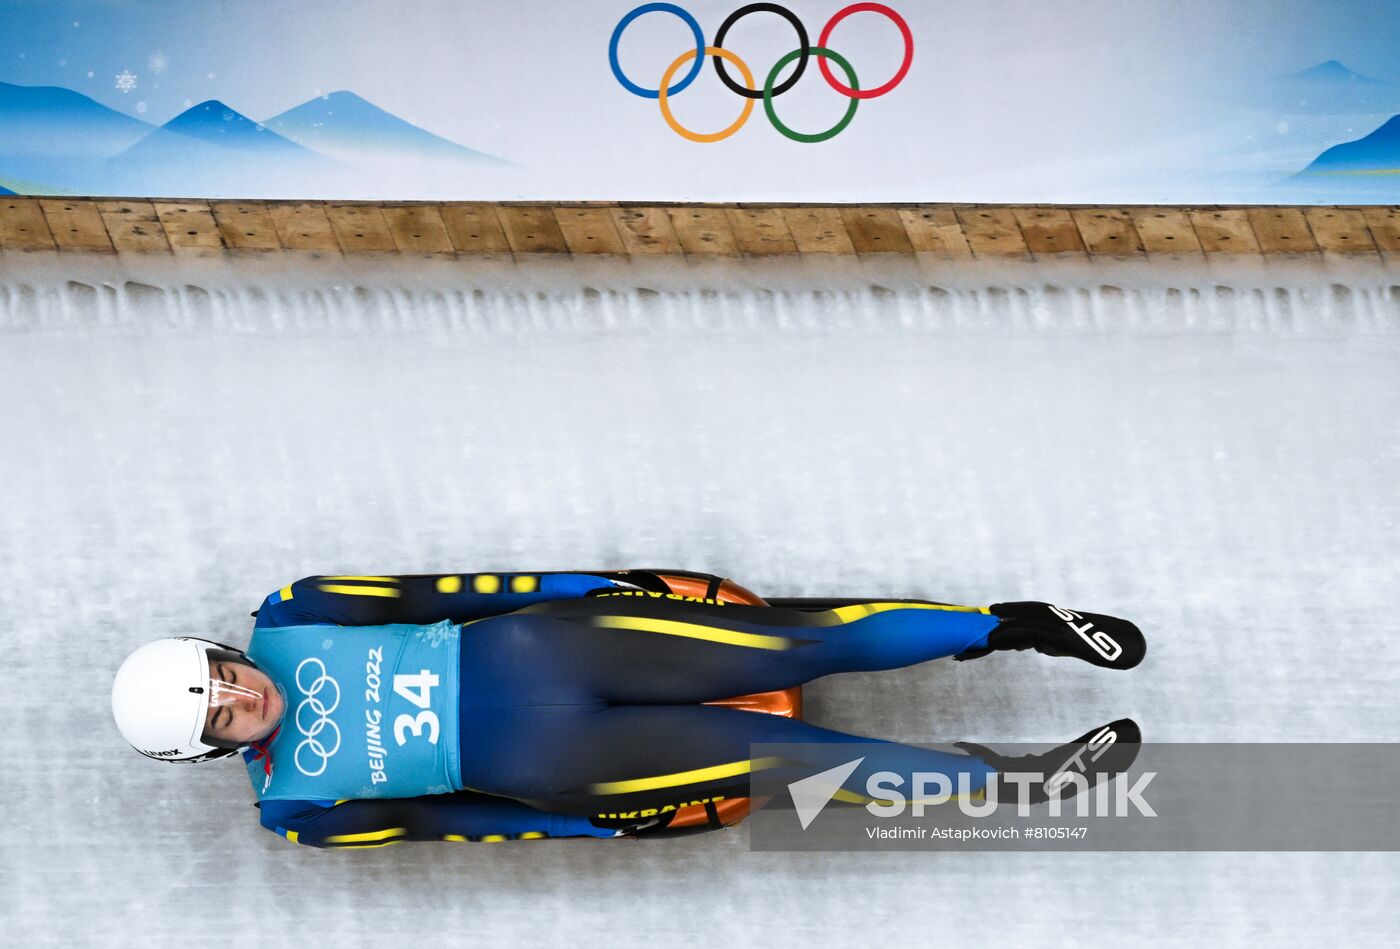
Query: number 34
{"x": 417, "y": 690}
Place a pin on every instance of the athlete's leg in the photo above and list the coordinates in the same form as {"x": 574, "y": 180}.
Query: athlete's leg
{"x": 539, "y": 691}
{"x": 620, "y": 760}
{"x": 640, "y": 651}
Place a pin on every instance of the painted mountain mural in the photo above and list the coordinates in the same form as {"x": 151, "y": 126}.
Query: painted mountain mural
{"x": 1377, "y": 153}
{"x": 342, "y": 124}
{"x": 1366, "y": 170}
{"x": 1329, "y": 88}
{"x": 210, "y": 148}
{"x": 56, "y": 141}
{"x": 213, "y": 123}
{"x": 56, "y": 122}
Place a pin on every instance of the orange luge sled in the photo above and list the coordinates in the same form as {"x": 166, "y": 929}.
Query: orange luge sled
{"x": 785, "y": 702}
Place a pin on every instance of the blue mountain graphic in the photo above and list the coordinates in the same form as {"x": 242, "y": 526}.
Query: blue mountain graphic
{"x": 1379, "y": 151}
{"x": 213, "y": 123}
{"x": 1333, "y": 72}
{"x": 1329, "y": 88}
{"x": 342, "y": 123}
{"x": 57, "y": 141}
{"x": 211, "y": 149}
{"x": 59, "y": 137}
{"x": 4, "y": 190}
{"x": 55, "y": 122}
{"x": 1366, "y": 171}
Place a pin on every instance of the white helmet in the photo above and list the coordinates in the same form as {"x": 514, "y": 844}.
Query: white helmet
{"x": 161, "y": 696}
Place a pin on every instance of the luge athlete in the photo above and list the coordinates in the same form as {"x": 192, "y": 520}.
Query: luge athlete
{"x": 371, "y": 710}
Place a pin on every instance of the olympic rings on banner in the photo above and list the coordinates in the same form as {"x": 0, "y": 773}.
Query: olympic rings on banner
{"x": 684, "y": 132}
{"x": 822, "y": 53}
{"x": 739, "y": 14}
{"x": 903, "y": 66}
{"x": 626, "y": 21}
{"x": 769, "y": 91}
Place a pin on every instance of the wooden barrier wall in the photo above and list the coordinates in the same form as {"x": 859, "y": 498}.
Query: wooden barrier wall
{"x": 953, "y": 232}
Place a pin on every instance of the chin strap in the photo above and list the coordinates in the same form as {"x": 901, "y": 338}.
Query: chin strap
{"x": 207, "y": 756}
{"x": 263, "y": 753}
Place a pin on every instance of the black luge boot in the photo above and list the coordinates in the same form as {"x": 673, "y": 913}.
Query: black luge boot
{"x": 1103, "y": 640}
{"x": 1098, "y": 756}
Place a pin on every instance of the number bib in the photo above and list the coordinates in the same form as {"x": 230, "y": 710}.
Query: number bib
{"x": 371, "y": 712}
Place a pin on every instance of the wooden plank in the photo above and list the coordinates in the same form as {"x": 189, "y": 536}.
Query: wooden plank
{"x": 1341, "y": 230}
{"x": 418, "y": 229}
{"x": 1281, "y": 231}
{"x": 360, "y": 228}
{"x": 475, "y": 229}
{"x": 590, "y": 230}
{"x": 76, "y": 225}
{"x": 245, "y": 225}
{"x": 944, "y": 231}
{"x": 760, "y": 232}
{"x": 562, "y": 204}
{"x": 303, "y": 227}
{"x": 992, "y": 232}
{"x": 703, "y": 231}
{"x": 1385, "y": 229}
{"x": 1049, "y": 232}
{"x": 1224, "y": 231}
{"x": 1108, "y": 232}
{"x": 935, "y": 231}
{"x": 876, "y": 230}
{"x": 818, "y": 231}
{"x": 532, "y": 229}
{"x": 1168, "y": 231}
{"x": 133, "y": 227}
{"x": 189, "y": 227}
{"x": 22, "y": 225}
{"x": 646, "y": 232}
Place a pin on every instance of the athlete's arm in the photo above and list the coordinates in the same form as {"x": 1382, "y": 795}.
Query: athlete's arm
{"x": 425, "y": 598}
{"x": 463, "y": 816}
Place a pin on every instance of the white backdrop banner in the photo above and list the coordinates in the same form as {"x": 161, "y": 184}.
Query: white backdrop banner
{"x": 1095, "y": 101}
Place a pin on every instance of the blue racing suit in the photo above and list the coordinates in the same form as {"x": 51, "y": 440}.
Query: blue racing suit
{"x": 369, "y": 601}
{"x": 580, "y": 698}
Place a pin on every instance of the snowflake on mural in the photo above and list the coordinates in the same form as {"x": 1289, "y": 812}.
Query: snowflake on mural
{"x": 141, "y": 107}
{"x": 126, "y": 80}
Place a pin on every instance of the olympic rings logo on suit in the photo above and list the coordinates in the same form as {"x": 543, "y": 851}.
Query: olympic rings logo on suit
{"x": 769, "y": 91}
{"x": 311, "y": 742}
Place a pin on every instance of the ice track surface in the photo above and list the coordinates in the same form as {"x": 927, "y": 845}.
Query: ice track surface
{"x": 1214, "y": 454}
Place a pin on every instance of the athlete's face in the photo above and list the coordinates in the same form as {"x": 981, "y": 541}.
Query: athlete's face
{"x": 244, "y": 706}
